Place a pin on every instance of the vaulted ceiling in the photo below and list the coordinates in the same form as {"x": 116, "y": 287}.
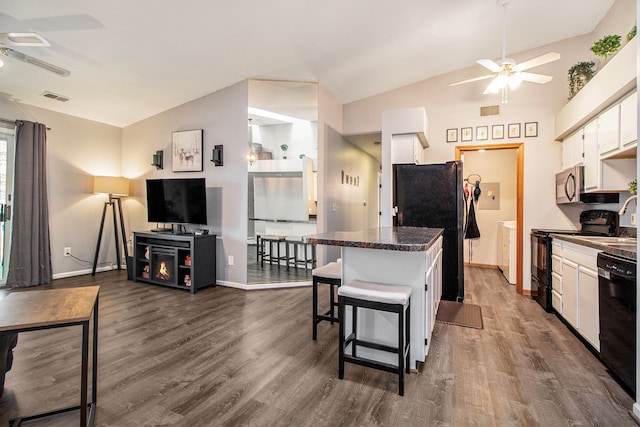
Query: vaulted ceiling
{"x": 132, "y": 59}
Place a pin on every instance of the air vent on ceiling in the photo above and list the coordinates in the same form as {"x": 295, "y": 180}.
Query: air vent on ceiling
{"x": 55, "y": 96}
{"x": 490, "y": 110}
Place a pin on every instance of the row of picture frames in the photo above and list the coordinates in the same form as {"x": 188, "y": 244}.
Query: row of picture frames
{"x": 513, "y": 130}
{"x": 350, "y": 179}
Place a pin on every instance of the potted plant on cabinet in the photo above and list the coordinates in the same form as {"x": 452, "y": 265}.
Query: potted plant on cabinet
{"x": 579, "y": 75}
{"x": 606, "y": 46}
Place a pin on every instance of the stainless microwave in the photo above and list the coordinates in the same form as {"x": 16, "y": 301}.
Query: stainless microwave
{"x": 569, "y": 185}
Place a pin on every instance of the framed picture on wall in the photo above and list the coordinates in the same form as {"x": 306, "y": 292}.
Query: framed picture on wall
{"x": 514, "y": 130}
{"x": 186, "y": 151}
{"x": 482, "y": 133}
{"x": 530, "y": 129}
{"x": 497, "y": 132}
{"x": 452, "y": 135}
{"x": 466, "y": 134}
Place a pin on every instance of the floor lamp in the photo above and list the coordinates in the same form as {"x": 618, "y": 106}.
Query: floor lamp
{"x": 116, "y": 188}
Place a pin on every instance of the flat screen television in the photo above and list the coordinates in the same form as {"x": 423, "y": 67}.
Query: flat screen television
{"x": 177, "y": 201}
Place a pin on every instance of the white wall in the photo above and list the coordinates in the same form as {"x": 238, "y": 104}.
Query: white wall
{"x": 77, "y": 149}
{"x": 223, "y": 117}
{"x": 456, "y": 107}
{"x": 494, "y": 166}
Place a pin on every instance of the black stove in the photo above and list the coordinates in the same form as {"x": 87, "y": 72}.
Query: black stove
{"x": 593, "y": 223}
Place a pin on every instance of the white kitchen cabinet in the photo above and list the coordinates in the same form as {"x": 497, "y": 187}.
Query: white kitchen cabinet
{"x": 406, "y": 149}
{"x": 579, "y": 291}
{"x": 570, "y": 292}
{"x": 608, "y": 133}
{"x": 572, "y": 151}
{"x": 556, "y": 275}
{"x": 434, "y": 288}
{"x": 604, "y": 174}
{"x": 588, "y": 309}
{"x": 629, "y": 121}
{"x": 591, "y": 160}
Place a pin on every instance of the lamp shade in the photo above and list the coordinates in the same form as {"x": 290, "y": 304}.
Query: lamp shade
{"x": 114, "y": 185}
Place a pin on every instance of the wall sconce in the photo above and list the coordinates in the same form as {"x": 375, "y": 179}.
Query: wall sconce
{"x": 216, "y": 155}
{"x": 251, "y": 157}
{"x": 157, "y": 159}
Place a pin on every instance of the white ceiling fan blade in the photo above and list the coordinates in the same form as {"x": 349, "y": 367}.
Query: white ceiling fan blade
{"x": 23, "y": 39}
{"x": 491, "y": 65}
{"x": 536, "y": 62}
{"x": 535, "y": 78}
{"x": 488, "y": 76}
{"x": 35, "y": 61}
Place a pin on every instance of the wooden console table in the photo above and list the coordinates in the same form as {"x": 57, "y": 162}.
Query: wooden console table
{"x": 34, "y": 310}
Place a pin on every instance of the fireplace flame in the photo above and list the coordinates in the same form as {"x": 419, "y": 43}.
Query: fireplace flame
{"x": 163, "y": 272}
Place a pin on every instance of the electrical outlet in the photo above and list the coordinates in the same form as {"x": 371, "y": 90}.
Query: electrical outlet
{"x": 67, "y": 251}
{"x": 633, "y": 219}
{"x": 333, "y": 207}
{"x": 230, "y": 259}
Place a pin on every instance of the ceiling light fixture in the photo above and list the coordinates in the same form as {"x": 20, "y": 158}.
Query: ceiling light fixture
{"x": 506, "y": 74}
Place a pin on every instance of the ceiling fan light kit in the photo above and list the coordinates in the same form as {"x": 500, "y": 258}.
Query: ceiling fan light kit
{"x": 506, "y": 73}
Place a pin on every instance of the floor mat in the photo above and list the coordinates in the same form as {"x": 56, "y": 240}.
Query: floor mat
{"x": 461, "y": 314}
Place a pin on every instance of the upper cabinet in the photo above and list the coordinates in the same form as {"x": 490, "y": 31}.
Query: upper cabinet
{"x": 629, "y": 120}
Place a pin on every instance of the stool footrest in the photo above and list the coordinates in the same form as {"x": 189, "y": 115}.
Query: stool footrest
{"x": 369, "y": 363}
{"x": 376, "y": 346}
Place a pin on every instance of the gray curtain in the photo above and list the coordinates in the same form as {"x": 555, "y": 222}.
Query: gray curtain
{"x": 30, "y": 262}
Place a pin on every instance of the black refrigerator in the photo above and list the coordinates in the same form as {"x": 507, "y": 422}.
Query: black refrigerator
{"x": 432, "y": 196}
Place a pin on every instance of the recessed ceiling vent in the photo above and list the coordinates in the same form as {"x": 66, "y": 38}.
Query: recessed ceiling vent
{"x": 55, "y": 96}
{"x": 490, "y": 110}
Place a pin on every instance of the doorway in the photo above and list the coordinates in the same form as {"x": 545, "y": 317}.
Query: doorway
{"x": 283, "y": 140}
{"x": 519, "y": 147}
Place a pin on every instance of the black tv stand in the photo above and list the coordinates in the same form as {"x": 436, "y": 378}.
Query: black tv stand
{"x": 182, "y": 261}
{"x": 162, "y": 230}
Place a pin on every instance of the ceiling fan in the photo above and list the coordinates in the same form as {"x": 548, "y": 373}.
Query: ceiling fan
{"x": 506, "y": 73}
{"x": 10, "y": 40}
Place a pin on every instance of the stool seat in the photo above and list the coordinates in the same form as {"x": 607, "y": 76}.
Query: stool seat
{"x": 271, "y": 237}
{"x": 333, "y": 270}
{"x": 377, "y": 292}
{"x": 375, "y": 296}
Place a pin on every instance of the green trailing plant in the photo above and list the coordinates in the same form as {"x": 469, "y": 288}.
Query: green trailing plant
{"x": 606, "y": 46}
{"x": 579, "y": 75}
{"x": 633, "y": 187}
{"x": 631, "y": 34}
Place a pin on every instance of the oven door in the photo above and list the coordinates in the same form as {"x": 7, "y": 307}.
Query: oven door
{"x": 540, "y": 269}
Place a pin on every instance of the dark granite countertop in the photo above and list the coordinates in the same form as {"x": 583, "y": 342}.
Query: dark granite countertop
{"x": 621, "y": 246}
{"x": 413, "y": 239}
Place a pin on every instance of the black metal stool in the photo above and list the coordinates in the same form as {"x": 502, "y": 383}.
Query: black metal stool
{"x": 375, "y": 296}
{"x": 268, "y": 256}
{"x": 330, "y": 274}
{"x": 296, "y": 245}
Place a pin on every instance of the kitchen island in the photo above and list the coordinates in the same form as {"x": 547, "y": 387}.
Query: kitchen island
{"x": 409, "y": 256}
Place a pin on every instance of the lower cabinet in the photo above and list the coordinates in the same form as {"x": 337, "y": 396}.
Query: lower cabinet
{"x": 579, "y": 291}
{"x": 433, "y": 289}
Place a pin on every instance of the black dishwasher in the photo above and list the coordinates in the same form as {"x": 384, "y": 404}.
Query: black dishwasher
{"x": 617, "y": 302}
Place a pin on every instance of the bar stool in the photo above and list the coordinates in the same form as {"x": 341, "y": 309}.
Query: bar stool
{"x": 330, "y": 274}
{"x": 271, "y": 241}
{"x": 375, "y": 296}
{"x": 296, "y": 244}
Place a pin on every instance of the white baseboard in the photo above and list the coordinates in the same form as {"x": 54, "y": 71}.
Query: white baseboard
{"x": 82, "y": 272}
{"x": 258, "y": 286}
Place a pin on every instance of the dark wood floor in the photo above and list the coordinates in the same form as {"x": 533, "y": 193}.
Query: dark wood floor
{"x": 230, "y": 357}
{"x": 257, "y": 273}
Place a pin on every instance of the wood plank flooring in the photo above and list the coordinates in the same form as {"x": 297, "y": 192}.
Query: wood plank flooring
{"x": 257, "y": 273}
{"x": 226, "y": 357}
